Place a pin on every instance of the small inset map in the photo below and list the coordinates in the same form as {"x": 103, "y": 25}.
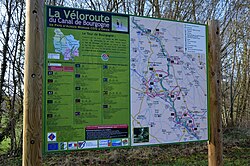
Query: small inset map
{"x": 67, "y": 45}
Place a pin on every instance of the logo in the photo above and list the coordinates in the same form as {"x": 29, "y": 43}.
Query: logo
{"x": 81, "y": 144}
{"x": 104, "y": 143}
{"x": 51, "y": 137}
{"x": 87, "y": 144}
{"x": 105, "y": 57}
{"x": 125, "y": 142}
{"x": 116, "y": 142}
{"x": 72, "y": 145}
{"x": 63, "y": 146}
{"x": 52, "y": 146}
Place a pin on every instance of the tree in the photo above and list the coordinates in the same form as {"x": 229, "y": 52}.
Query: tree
{"x": 12, "y": 71}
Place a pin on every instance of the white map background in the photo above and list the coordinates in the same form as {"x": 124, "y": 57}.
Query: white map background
{"x": 168, "y": 81}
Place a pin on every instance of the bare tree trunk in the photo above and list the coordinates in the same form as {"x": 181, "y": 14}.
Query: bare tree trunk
{"x": 232, "y": 82}
{"x": 5, "y": 54}
{"x": 13, "y": 101}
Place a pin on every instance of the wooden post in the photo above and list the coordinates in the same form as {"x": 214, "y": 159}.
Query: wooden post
{"x": 215, "y": 149}
{"x": 34, "y": 53}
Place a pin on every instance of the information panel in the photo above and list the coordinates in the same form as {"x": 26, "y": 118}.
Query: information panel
{"x": 113, "y": 80}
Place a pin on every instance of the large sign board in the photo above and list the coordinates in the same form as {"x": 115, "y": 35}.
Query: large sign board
{"x": 114, "y": 80}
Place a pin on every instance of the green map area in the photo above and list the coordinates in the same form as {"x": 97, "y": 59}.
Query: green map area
{"x": 66, "y": 45}
{"x": 87, "y": 89}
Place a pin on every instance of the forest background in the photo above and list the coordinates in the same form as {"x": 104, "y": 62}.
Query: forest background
{"x": 234, "y": 18}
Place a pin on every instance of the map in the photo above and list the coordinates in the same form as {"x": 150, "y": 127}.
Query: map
{"x": 168, "y": 82}
{"x": 66, "y": 45}
{"x": 114, "y": 80}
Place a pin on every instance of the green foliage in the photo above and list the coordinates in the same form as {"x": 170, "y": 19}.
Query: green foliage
{"x": 4, "y": 146}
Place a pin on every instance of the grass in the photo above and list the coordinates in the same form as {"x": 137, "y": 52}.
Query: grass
{"x": 236, "y": 153}
{"x": 232, "y": 157}
{"x": 237, "y": 156}
{"x": 5, "y": 144}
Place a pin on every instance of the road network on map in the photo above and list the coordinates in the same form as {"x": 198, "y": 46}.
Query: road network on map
{"x": 168, "y": 82}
